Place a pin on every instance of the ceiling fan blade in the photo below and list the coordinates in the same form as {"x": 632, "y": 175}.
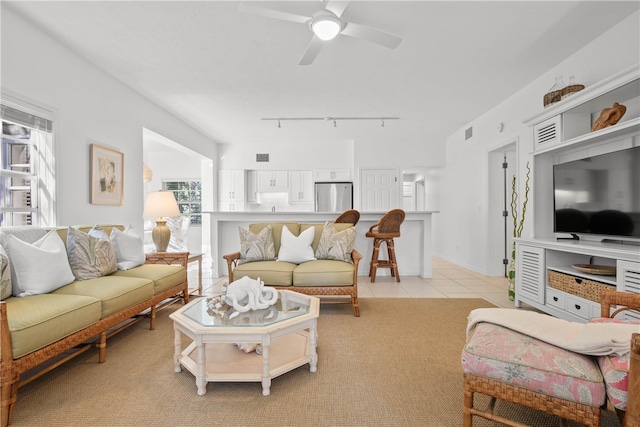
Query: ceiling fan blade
{"x": 271, "y": 13}
{"x": 312, "y": 51}
{"x": 371, "y": 34}
{"x": 337, "y": 7}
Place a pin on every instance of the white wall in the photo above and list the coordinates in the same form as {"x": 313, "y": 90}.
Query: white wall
{"x": 285, "y": 156}
{"x": 463, "y": 238}
{"x": 89, "y": 106}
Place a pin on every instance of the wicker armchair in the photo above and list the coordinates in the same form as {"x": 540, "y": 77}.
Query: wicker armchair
{"x": 350, "y": 216}
{"x": 566, "y": 409}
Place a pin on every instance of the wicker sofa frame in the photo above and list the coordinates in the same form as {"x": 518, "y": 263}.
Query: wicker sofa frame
{"x": 567, "y": 410}
{"x": 75, "y": 344}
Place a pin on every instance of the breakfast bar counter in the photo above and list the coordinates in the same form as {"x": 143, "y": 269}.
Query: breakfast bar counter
{"x": 413, "y": 247}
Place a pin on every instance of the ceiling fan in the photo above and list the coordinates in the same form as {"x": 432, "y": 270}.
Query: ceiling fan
{"x": 326, "y": 25}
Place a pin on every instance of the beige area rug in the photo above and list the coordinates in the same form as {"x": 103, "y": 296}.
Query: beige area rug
{"x": 397, "y": 365}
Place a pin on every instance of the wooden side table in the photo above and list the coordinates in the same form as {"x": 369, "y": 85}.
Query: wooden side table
{"x": 182, "y": 258}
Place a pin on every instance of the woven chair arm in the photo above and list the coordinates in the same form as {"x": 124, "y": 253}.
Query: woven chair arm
{"x": 355, "y": 257}
{"x": 374, "y": 226}
{"x": 6, "y": 352}
{"x": 232, "y": 261}
{"x": 626, "y": 301}
{"x": 632, "y": 416}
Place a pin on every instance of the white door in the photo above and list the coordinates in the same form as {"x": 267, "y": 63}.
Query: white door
{"x": 379, "y": 190}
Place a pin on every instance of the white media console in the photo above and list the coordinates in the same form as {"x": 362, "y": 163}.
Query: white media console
{"x": 545, "y": 276}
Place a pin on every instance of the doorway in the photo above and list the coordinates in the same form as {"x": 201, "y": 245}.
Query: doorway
{"x": 502, "y": 166}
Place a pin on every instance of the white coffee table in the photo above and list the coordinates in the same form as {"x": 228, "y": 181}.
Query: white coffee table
{"x": 286, "y": 331}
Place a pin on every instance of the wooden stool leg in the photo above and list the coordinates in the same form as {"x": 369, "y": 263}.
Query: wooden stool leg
{"x": 392, "y": 258}
{"x": 374, "y": 260}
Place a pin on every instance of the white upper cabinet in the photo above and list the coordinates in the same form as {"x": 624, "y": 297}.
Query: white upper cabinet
{"x": 300, "y": 186}
{"x": 231, "y": 194}
{"x": 323, "y": 175}
{"x": 273, "y": 181}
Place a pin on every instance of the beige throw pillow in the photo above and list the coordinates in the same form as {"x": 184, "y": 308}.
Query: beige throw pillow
{"x": 336, "y": 245}
{"x": 257, "y": 246}
{"x": 90, "y": 254}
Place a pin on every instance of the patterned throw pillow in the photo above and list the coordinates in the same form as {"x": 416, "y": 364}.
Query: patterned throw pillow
{"x": 90, "y": 254}
{"x": 257, "y": 246}
{"x": 5, "y": 275}
{"x": 336, "y": 245}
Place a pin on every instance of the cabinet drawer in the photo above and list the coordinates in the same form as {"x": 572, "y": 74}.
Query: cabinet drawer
{"x": 555, "y": 299}
{"x": 579, "y": 307}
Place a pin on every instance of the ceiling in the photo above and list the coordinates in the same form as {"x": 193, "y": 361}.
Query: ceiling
{"x": 222, "y": 71}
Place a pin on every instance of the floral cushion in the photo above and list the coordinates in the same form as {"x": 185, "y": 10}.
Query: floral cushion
{"x": 257, "y": 246}
{"x": 336, "y": 245}
{"x": 504, "y": 355}
{"x": 91, "y": 254}
{"x": 5, "y": 275}
{"x": 615, "y": 370}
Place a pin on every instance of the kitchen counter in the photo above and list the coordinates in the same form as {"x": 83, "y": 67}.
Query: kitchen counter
{"x": 413, "y": 247}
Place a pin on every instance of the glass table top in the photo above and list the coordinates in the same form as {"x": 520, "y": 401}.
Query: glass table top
{"x": 284, "y": 309}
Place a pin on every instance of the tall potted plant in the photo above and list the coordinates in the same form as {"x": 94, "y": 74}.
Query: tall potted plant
{"x": 518, "y": 225}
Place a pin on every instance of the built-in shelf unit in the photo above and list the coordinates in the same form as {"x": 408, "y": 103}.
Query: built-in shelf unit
{"x": 545, "y": 276}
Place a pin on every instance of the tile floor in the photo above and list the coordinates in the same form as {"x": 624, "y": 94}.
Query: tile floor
{"x": 449, "y": 281}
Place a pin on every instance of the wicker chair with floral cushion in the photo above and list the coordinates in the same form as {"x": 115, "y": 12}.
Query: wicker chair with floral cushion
{"x": 517, "y": 368}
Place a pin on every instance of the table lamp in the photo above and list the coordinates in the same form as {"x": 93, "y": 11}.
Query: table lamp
{"x": 160, "y": 204}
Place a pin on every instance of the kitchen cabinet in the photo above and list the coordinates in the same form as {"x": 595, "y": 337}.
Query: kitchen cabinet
{"x": 231, "y": 193}
{"x": 252, "y": 186}
{"x": 324, "y": 175}
{"x": 273, "y": 181}
{"x": 300, "y": 186}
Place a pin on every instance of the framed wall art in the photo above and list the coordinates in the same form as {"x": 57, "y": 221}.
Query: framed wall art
{"x": 107, "y": 176}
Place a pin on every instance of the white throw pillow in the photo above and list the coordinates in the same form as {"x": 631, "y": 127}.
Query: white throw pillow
{"x": 296, "y": 249}
{"x": 128, "y": 247}
{"x": 40, "y": 267}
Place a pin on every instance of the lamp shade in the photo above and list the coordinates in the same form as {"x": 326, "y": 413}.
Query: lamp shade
{"x": 147, "y": 173}
{"x": 159, "y": 204}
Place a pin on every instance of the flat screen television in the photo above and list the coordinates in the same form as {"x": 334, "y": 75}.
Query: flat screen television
{"x": 599, "y": 195}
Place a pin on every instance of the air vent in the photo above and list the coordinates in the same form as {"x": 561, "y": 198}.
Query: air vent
{"x": 468, "y": 133}
{"x": 262, "y": 157}
{"x": 547, "y": 132}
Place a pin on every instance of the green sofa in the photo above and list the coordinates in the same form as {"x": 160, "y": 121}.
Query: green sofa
{"x": 321, "y": 277}
{"x": 82, "y": 314}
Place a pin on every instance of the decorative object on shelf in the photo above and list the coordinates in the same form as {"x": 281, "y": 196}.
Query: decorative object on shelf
{"x": 248, "y": 294}
{"x": 517, "y": 228}
{"x": 107, "y": 176}
{"x": 599, "y": 270}
{"x": 571, "y": 88}
{"x": 555, "y": 93}
{"x": 160, "y": 204}
{"x": 609, "y": 116}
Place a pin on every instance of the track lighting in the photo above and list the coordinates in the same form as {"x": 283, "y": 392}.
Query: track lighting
{"x": 334, "y": 120}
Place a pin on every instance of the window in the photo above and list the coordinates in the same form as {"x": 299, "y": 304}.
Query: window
{"x": 189, "y": 197}
{"x": 26, "y": 167}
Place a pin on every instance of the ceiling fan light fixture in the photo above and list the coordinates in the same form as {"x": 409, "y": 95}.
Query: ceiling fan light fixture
{"x": 325, "y": 25}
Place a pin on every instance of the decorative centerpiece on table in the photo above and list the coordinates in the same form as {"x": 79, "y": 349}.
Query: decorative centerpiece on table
{"x": 518, "y": 225}
{"x": 242, "y": 295}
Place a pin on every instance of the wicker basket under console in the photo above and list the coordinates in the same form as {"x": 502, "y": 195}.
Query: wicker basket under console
{"x": 585, "y": 288}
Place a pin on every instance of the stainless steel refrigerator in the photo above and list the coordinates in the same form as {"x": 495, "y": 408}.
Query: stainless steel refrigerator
{"x": 333, "y": 196}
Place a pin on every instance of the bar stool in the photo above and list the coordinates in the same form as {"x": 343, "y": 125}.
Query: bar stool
{"x": 350, "y": 216}
{"x": 384, "y": 231}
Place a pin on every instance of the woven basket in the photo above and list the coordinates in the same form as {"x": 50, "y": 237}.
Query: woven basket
{"x": 578, "y": 286}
